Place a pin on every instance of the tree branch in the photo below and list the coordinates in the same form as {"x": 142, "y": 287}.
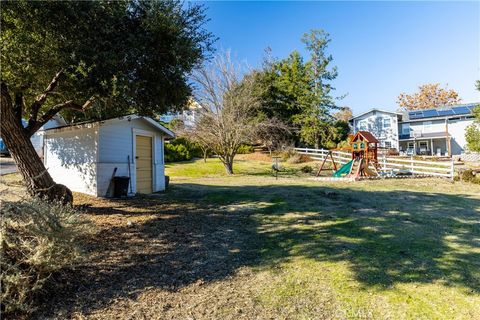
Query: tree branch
{"x": 42, "y": 98}
{"x": 70, "y": 104}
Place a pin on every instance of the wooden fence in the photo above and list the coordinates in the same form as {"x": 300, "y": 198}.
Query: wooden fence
{"x": 391, "y": 165}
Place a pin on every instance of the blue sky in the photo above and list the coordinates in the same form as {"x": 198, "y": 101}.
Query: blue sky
{"x": 380, "y": 48}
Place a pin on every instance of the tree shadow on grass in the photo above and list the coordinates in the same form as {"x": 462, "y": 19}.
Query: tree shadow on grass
{"x": 201, "y": 233}
{"x": 172, "y": 242}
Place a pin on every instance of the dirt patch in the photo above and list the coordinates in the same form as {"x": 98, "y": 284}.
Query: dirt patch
{"x": 155, "y": 258}
{"x": 12, "y": 187}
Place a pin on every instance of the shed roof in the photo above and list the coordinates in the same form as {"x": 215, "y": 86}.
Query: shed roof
{"x": 81, "y": 125}
{"x": 367, "y": 136}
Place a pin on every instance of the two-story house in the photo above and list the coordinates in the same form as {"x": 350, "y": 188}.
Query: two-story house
{"x": 382, "y": 124}
{"x": 439, "y": 132}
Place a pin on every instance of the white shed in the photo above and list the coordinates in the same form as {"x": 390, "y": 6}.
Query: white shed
{"x": 37, "y": 137}
{"x": 84, "y": 156}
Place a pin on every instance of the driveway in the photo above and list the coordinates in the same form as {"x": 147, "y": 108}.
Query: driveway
{"x": 7, "y": 165}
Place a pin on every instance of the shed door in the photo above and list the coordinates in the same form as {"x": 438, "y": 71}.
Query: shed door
{"x": 143, "y": 161}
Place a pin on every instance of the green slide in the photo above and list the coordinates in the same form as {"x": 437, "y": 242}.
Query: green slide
{"x": 344, "y": 170}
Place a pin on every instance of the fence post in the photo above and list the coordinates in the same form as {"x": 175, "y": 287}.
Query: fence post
{"x": 452, "y": 170}
{"x": 411, "y": 165}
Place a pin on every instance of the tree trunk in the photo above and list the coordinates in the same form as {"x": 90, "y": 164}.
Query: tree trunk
{"x": 228, "y": 167}
{"x": 228, "y": 164}
{"x": 205, "y": 152}
{"x": 38, "y": 180}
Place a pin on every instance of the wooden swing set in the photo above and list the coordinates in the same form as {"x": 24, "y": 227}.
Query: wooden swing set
{"x": 363, "y": 147}
{"x": 330, "y": 153}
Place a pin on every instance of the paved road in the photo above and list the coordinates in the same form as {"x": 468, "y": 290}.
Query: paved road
{"x": 7, "y": 165}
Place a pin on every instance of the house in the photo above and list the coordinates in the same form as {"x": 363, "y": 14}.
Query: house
{"x": 188, "y": 116}
{"x": 84, "y": 156}
{"x": 439, "y": 132}
{"x": 382, "y": 124}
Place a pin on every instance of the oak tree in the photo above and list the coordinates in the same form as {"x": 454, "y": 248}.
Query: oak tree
{"x": 92, "y": 60}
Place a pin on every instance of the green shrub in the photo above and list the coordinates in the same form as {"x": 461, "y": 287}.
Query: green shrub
{"x": 286, "y": 154}
{"x": 245, "y": 148}
{"x": 37, "y": 240}
{"x": 181, "y": 149}
{"x": 343, "y": 144}
{"x": 470, "y": 176}
{"x": 177, "y": 152}
{"x": 306, "y": 169}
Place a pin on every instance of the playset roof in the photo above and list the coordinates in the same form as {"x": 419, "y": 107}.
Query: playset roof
{"x": 367, "y": 136}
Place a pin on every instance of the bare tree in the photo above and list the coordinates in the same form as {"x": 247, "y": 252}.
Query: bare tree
{"x": 273, "y": 134}
{"x": 227, "y": 108}
{"x": 344, "y": 114}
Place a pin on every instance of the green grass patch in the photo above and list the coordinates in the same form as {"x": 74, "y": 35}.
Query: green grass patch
{"x": 386, "y": 249}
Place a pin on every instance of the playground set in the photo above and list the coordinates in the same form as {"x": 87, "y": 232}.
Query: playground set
{"x": 363, "y": 147}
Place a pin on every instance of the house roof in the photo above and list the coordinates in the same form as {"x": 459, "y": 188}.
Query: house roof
{"x": 81, "y": 125}
{"x": 374, "y": 109}
{"x": 366, "y": 135}
{"x": 441, "y": 112}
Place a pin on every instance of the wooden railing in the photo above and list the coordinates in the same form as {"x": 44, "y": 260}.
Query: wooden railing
{"x": 391, "y": 165}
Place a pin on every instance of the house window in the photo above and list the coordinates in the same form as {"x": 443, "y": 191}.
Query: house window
{"x": 406, "y": 128}
{"x": 386, "y": 122}
{"x": 362, "y": 125}
{"x": 427, "y": 124}
{"x": 410, "y": 145}
{"x": 388, "y": 144}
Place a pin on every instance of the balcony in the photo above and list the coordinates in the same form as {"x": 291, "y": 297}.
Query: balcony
{"x": 423, "y": 135}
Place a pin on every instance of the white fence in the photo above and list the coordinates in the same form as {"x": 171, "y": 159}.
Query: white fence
{"x": 470, "y": 157}
{"x": 319, "y": 154}
{"x": 391, "y": 165}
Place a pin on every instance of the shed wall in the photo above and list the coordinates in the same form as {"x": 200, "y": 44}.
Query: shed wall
{"x": 70, "y": 157}
{"x": 38, "y": 137}
{"x": 116, "y": 145}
